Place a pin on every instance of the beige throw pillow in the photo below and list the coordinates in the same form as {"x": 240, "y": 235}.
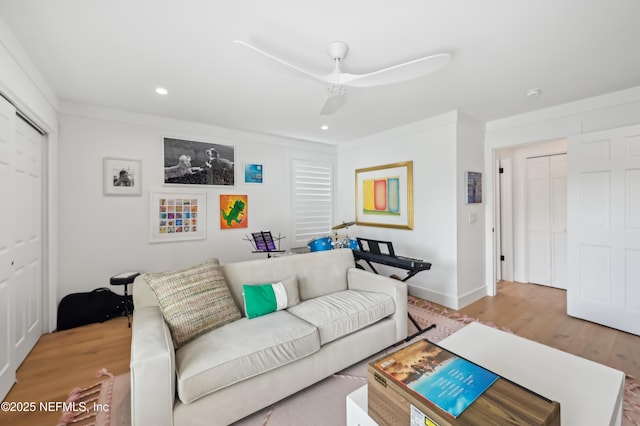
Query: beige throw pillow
{"x": 193, "y": 300}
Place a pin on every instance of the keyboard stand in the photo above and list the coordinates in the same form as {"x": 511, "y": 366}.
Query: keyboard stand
{"x": 412, "y": 272}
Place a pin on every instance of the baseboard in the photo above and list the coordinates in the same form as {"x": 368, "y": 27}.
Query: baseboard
{"x": 472, "y": 296}
{"x": 452, "y": 302}
{"x": 432, "y": 296}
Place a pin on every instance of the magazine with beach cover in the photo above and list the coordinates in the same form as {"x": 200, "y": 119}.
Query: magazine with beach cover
{"x": 448, "y": 381}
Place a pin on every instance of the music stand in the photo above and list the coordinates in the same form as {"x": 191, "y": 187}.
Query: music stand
{"x": 263, "y": 242}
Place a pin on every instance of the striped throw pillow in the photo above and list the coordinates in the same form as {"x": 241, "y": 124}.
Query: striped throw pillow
{"x": 193, "y": 300}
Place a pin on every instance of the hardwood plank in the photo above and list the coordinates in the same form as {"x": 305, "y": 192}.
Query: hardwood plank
{"x": 64, "y": 360}
{"x": 539, "y": 313}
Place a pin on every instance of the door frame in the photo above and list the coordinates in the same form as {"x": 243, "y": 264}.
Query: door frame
{"x": 504, "y": 221}
{"x": 492, "y": 244}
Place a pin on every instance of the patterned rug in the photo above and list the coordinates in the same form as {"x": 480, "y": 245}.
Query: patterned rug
{"x": 105, "y": 403}
{"x": 325, "y": 402}
{"x": 319, "y": 405}
{"x": 454, "y": 321}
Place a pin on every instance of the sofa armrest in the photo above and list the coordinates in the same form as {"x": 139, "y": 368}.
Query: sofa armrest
{"x": 361, "y": 280}
{"x": 153, "y": 369}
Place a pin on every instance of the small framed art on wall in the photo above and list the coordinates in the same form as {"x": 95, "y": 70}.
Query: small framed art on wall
{"x": 121, "y": 176}
{"x": 177, "y": 215}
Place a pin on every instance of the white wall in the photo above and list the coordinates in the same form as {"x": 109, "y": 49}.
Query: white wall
{"x": 101, "y": 235}
{"x": 23, "y": 85}
{"x": 438, "y": 188}
{"x": 608, "y": 111}
{"x": 470, "y": 231}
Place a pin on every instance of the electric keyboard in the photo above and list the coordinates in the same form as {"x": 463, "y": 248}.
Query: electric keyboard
{"x": 402, "y": 262}
{"x": 382, "y": 252}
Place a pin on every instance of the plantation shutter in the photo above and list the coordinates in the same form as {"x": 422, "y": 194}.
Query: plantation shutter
{"x": 312, "y": 200}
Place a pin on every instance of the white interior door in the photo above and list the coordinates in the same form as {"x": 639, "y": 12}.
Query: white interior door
{"x": 21, "y": 282}
{"x": 27, "y": 207}
{"x": 558, "y": 224}
{"x": 538, "y": 221}
{"x": 546, "y": 220}
{"x": 604, "y": 228}
{"x": 7, "y": 154}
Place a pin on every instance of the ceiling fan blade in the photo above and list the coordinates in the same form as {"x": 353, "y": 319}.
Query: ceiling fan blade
{"x": 397, "y": 73}
{"x": 333, "y": 103}
{"x": 280, "y": 61}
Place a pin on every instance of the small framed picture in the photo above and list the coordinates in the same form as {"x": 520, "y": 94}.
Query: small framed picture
{"x": 122, "y": 177}
{"x": 253, "y": 173}
{"x": 177, "y": 215}
{"x": 474, "y": 187}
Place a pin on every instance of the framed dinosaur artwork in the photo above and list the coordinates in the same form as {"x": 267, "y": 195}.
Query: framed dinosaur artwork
{"x": 177, "y": 215}
{"x": 234, "y": 211}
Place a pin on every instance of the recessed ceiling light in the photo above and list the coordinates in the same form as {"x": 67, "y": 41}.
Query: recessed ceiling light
{"x": 324, "y": 127}
{"x": 161, "y": 91}
{"x": 533, "y": 93}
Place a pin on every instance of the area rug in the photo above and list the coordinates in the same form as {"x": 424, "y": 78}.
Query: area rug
{"x": 105, "y": 403}
{"x": 325, "y": 402}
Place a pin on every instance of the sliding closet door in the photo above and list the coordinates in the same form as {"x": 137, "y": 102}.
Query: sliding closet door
{"x": 547, "y": 220}
{"x": 7, "y": 155}
{"x": 21, "y": 282}
{"x": 27, "y": 207}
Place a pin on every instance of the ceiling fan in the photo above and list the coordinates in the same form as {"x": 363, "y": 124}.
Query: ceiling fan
{"x": 337, "y": 81}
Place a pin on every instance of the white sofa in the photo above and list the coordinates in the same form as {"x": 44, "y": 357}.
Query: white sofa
{"x": 345, "y": 314}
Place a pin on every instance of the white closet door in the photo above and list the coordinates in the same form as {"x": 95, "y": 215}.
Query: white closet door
{"x": 21, "y": 283}
{"x": 547, "y": 220}
{"x": 604, "y": 228}
{"x": 7, "y": 155}
{"x": 27, "y": 207}
{"x": 558, "y": 181}
{"x": 538, "y": 221}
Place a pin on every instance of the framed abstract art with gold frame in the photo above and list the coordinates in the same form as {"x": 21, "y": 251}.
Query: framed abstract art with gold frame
{"x": 384, "y": 195}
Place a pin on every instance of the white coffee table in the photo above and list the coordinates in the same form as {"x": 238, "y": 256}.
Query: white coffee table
{"x": 588, "y": 392}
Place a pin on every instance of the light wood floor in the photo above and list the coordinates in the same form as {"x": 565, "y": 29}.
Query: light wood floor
{"x": 539, "y": 313}
{"x": 64, "y": 360}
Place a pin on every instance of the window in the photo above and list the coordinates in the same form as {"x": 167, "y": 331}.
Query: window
{"x": 312, "y": 200}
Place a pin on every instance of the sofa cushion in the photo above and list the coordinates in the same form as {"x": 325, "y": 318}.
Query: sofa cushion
{"x": 193, "y": 300}
{"x": 338, "y": 314}
{"x": 240, "y": 350}
{"x": 317, "y": 273}
{"x": 261, "y": 299}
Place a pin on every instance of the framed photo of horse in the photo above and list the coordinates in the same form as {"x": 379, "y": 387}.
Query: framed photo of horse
{"x": 189, "y": 162}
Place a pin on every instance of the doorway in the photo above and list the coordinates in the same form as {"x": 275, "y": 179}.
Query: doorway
{"x": 512, "y": 243}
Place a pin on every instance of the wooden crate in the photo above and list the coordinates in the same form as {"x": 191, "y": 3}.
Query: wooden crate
{"x": 503, "y": 403}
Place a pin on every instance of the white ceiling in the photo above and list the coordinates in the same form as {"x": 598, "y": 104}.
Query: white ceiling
{"x": 114, "y": 53}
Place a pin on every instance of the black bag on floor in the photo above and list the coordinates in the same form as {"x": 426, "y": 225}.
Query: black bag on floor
{"x": 98, "y": 305}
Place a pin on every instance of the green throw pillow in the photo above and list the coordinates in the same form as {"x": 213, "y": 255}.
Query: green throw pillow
{"x": 262, "y": 299}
